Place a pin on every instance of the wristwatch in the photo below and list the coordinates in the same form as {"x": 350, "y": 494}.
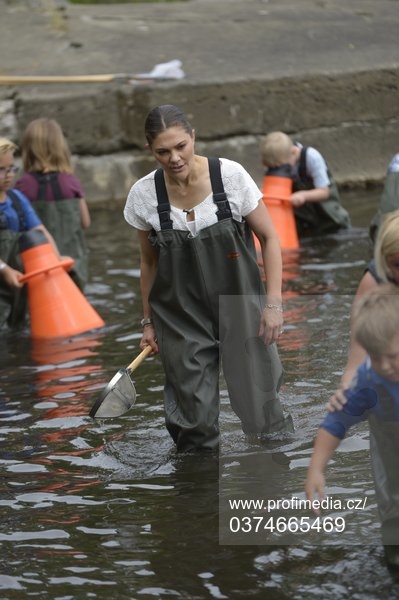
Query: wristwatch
{"x": 146, "y": 321}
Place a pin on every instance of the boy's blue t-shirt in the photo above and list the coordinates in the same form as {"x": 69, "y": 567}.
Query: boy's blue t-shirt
{"x": 364, "y": 398}
{"x": 31, "y": 218}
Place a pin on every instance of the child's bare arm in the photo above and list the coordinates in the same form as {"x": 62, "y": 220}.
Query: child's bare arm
{"x": 324, "y": 447}
{"x": 300, "y": 197}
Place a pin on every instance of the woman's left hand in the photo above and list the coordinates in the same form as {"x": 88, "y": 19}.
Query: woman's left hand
{"x": 271, "y": 326}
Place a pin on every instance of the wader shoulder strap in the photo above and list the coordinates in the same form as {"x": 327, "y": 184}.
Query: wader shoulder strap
{"x": 3, "y": 221}
{"x": 44, "y": 180}
{"x": 163, "y": 201}
{"x": 302, "y": 172}
{"x": 371, "y": 268}
{"x": 17, "y": 206}
{"x": 219, "y": 195}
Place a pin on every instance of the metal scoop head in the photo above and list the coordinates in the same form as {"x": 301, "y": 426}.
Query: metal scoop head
{"x": 120, "y": 394}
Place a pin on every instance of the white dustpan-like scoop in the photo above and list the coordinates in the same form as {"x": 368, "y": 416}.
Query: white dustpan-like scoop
{"x": 120, "y": 394}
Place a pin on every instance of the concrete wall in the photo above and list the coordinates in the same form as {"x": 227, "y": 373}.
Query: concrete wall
{"x": 353, "y": 119}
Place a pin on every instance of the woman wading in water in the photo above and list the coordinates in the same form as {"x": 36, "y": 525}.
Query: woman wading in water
{"x": 202, "y": 292}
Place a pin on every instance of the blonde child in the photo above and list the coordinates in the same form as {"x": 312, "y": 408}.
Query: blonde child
{"x": 55, "y": 192}
{"x": 315, "y": 195}
{"x": 373, "y": 395}
{"x": 384, "y": 268}
{"x": 16, "y": 216}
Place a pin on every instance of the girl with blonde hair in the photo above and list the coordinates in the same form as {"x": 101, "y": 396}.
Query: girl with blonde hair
{"x": 54, "y": 190}
{"x": 384, "y": 268}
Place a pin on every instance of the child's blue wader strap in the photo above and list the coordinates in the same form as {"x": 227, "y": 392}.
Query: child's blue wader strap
{"x": 17, "y": 206}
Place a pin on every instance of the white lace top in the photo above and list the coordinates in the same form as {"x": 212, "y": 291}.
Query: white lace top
{"x": 242, "y": 193}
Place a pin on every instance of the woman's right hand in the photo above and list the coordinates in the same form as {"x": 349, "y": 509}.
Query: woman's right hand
{"x": 149, "y": 338}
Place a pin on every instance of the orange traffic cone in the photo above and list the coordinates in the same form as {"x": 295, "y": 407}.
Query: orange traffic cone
{"x": 277, "y": 190}
{"x": 56, "y": 305}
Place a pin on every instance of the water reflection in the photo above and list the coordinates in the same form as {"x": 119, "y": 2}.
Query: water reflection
{"x": 93, "y": 509}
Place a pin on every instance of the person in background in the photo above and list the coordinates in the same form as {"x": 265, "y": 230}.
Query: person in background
{"x": 373, "y": 395}
{"x": 389, "y": 200}
{"x": 16, "y": 216}
{"x": 55, "y": 192}
{"x": 384, "y": 268}
{"x": 315, "y": 196}
{"x": 201, "y": 287}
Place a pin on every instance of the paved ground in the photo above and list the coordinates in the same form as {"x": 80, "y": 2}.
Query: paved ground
{"x": 326, "y": 71}
{"x": 215, "y": 39}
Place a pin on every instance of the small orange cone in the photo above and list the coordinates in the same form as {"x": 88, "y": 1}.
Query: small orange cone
{"x": 56, "y": 305}
{"x": 277, "y": 190}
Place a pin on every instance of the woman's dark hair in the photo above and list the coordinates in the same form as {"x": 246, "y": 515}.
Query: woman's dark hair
{"x": 161, "y": 118}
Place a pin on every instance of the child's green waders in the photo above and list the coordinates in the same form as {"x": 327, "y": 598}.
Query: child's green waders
{"x": 207, "y": 298}
{"x": 384, "y": 449}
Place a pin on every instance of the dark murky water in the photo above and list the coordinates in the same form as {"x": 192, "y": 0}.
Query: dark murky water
{"x": 107, "y": 509}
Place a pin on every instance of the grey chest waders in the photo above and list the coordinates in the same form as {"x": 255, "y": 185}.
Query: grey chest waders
{"x": 319, "y": 217}
{"x": 13, "y": 302}
{"x": 384, "y": 451}
{"x": 62, "y": 219}
{"x": 206, "y": 303}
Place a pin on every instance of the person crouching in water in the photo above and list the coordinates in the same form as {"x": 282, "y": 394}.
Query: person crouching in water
{"x": 315, "y": 196}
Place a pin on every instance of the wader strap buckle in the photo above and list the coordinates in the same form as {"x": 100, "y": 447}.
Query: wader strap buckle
{"x": 163, "y": 207}
{"x": 219, "y": 195}
{"x": 164, "y": 216}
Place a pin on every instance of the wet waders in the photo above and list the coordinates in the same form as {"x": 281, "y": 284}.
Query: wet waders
{"x": 384, "y": 451}
{"x": 13, "y": 301}
{"x": 207, "y": 300}
{"x": 62, "y": 218}
{"x": 318, "y": 217}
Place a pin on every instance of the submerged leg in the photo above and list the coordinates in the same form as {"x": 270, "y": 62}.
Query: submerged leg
{"x": 191, "y": 393}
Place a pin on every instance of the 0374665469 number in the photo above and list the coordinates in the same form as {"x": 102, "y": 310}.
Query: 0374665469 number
{"x": 287, "y": 524}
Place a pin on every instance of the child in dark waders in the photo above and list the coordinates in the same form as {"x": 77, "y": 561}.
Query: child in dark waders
{"x": 373, "y": 395}
{"x": 383, "y": 268}
{"x": 55, "y": 192}
{"x": 204, "y": 302}
{"x": 315, "y": 196}
{"x": 389, "y": 200}
{"x": 16, "y": 217}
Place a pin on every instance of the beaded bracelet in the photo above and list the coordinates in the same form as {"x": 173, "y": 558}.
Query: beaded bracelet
{"x": 274, "y": 307}
{"x": 2, "y": 265}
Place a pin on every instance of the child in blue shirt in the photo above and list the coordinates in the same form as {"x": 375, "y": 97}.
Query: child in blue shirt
{"x": 373, "y": 395}
{"x": 16, "y": 216}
